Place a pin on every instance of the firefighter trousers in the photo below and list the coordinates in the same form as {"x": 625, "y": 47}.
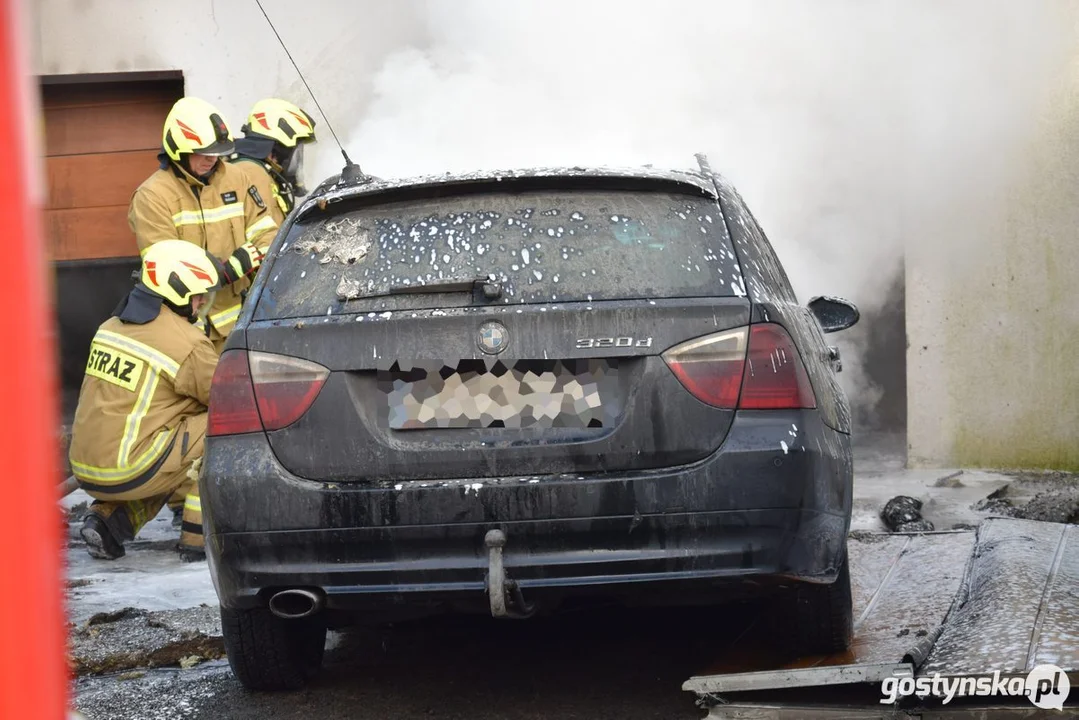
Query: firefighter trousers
{"x": 127, "y": 512}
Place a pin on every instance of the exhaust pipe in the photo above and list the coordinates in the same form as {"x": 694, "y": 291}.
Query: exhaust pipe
{"x": 295, "y": 604}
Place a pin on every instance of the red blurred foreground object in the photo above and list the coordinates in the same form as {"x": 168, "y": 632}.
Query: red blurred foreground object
{"x": 33, "y": 670}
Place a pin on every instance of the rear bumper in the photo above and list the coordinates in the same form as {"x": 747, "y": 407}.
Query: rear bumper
{"x": 754, "y": 510}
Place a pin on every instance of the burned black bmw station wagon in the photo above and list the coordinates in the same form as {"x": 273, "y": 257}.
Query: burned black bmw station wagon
{"x": 509, "y": 393}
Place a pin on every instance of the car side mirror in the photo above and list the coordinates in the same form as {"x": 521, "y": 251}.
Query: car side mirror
{"x": 834, "y": 314}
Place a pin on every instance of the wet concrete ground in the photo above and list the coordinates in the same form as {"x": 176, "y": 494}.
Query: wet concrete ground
{"x": 611, "y": 663}
{"x": 149, "y": 577}
{"x": 616, "y": 664}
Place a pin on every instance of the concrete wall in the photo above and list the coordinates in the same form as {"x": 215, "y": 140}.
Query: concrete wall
{"x": 991, "y": 222}
{"x": 993, "y": 332}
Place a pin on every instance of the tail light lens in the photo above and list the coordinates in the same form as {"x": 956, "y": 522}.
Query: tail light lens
{"x": 752, "y": 368}
{"x": 257, "y": 391}
{"x": 711, "y": 367}
{"x": 285, "y": 387}
{"x": 232, "y": 399}
{"x": 775, "y": 378}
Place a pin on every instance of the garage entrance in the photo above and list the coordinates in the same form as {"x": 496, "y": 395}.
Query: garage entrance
{"x": 102, "y": 136}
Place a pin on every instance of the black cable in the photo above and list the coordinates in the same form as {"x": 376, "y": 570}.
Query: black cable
{"x": 304, "y": 80}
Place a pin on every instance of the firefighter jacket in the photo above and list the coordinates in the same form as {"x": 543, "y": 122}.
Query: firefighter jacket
{"x": 141, "y": 381}
{"x": 273, "y": 191}
{"x": 219, "y": 216}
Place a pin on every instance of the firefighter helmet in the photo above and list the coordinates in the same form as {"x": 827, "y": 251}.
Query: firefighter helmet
{"x": 281, "y": 121}
{"x": 178, "y": 270}
{"x": 194, "y": 126}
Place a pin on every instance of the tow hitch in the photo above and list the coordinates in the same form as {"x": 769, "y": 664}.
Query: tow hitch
{"x": 505, "y": 594}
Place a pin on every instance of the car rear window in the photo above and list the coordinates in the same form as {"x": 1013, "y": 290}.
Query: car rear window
{"x": 542, "y": 247}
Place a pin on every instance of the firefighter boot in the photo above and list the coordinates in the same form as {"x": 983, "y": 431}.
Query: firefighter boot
{"x": 191, "y": 554}
{"x": 100, "y": 542}
{"x": 108, "y": 525}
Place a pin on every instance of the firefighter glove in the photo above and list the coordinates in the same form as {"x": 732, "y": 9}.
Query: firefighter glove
{"x": 243, "y": 262}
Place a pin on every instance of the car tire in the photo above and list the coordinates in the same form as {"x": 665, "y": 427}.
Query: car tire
{"x": 822, "y": 615}
{"x": 269, "y": 653}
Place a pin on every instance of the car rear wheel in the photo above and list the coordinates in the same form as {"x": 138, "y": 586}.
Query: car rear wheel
{"x": 270, "y": 653}
{"x": 822, "y": 615}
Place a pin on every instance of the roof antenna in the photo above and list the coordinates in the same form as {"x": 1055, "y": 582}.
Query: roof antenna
{"x": 702, "y": 162}
{"x": 352, "y": 174}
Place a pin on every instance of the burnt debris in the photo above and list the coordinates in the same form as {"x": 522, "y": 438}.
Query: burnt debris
{"x": 904, "y": 514}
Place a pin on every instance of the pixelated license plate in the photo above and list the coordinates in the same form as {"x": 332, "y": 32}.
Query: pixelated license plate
{"x": 491, "y": 394}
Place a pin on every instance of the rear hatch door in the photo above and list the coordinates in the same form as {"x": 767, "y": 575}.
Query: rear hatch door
{"x": 560, "y": 373}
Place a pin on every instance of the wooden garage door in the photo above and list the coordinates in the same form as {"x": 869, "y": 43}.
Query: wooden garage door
{"x": 102, "y": 137}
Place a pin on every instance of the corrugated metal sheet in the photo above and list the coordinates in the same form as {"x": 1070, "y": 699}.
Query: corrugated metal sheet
{"x": 1019, "y": 605}
{"x": 902, "y": 586}
{"x": 1005, "y": 598}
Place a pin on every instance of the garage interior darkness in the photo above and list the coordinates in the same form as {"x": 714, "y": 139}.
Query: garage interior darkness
{"x": 880, "y": 342}
{"x": 102, "y": 135}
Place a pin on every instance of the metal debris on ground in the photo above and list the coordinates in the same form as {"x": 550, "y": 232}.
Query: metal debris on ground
{"x": 915, "y": 526}
{"x": 1046, "y": 496}
{"x": 902, "y": 589}
{"x": 904, "y": 514}
{"x": 1017, "y": 607}
{"x": 1000, "y": 604}
{"x": 950, "y": 481}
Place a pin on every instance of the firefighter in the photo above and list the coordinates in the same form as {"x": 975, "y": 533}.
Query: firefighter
{"x": 141, "y": 417}
{"x": 198, "y": 197}
{"x": 271, "y": 154}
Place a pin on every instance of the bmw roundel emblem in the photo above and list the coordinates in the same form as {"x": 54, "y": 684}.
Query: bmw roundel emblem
{"x": 493, "y": 338}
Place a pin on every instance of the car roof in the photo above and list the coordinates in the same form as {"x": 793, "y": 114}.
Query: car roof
{"x": 644, "y": 177}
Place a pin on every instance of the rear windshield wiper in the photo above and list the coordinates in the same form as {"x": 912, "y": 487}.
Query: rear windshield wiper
{"x": 491, "y": 290}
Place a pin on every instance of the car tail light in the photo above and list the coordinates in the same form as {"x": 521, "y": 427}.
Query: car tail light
{"x": 258, "y": 391}
{"x": 285, "y": 387}
{"x": 751, "y": 368}
{"x": 711, "y": 367}
{"x": 232, "y": 399}
{"x": 775, "y": 377}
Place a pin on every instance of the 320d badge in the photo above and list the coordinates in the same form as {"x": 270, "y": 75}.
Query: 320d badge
{"x": 608, "y": 342}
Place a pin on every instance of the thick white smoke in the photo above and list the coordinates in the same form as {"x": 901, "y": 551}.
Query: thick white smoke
{"x": 848, "y": 125}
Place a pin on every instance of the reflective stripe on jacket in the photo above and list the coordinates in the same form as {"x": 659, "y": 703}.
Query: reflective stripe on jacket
{"x": 219, "y": 216}
{"x": 140, "y": 382}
